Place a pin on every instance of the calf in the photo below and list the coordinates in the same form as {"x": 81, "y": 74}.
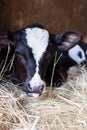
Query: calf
{"x": 76, "y": 55}
{"x": 35, "y": 49}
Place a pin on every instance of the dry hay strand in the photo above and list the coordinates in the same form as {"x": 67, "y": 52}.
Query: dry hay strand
{"x": 63, "y": 108}
{"x": 58, "y": 109}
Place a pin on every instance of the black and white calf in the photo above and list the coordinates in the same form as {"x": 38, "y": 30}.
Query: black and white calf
{"x": 35, "y": 49}
{"x": 74, "y": 56}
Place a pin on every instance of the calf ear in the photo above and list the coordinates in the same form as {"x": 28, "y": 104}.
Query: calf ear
{"x": 5, "y": 40}
{"x": 4, "y": 43}
{"x": 67, "y": 40}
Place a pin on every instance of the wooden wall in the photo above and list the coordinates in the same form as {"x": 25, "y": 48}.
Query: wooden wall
{"x": 56, "y": 15}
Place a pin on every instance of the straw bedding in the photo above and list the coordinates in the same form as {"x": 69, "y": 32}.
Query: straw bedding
{"x": 63, "y": 108}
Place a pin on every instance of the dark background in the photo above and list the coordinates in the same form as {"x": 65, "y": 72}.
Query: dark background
{"x": 55, "y": 15}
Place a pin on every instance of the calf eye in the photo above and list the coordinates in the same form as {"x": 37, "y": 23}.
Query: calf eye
{"x": 17, "y": 53}
{"x": 22, "y": 58}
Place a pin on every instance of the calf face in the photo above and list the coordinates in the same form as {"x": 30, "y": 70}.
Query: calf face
{"x": 35, "y": 49}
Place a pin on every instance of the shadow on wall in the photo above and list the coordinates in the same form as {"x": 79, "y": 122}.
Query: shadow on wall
{"x": 56, "y": 15}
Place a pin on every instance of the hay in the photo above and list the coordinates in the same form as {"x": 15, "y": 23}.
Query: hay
{"x": 58, "y": 109}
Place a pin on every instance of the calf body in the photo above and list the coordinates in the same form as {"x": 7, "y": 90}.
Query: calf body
{"x": 75, "y": 56}
{"x": 78, "y": 54}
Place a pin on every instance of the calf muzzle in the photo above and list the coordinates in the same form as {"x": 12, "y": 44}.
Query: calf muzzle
{"x": 34, "y": 91}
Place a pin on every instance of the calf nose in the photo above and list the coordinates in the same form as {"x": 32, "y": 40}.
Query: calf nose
{"x": 26, "y": 88}
{"x": 33, "y": 90}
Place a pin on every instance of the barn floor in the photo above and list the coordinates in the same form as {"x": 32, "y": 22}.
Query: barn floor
{"x": 62, "y": 108}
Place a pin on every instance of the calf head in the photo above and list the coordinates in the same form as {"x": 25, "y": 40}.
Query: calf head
{"x": 35, "y": 49}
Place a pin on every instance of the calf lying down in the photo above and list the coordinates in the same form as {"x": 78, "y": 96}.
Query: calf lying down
{"x": 35, "y": 50}
{"x": 75, "y": 56}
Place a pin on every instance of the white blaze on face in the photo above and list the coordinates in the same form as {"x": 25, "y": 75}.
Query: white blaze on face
{"x": 36, "y": 81}
{"x": 73, "y": 53}
{"x": 37, "y": 40}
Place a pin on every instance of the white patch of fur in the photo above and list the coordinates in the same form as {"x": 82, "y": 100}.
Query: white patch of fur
{"x": 73, "y": 53}
{"x": 37, "y": 40}
{"x": 36, "y": 81}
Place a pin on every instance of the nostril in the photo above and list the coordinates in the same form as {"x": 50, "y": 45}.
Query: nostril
{"x": 33, "y": 89}
{"x": 41, "y": 88}
{"x": 29, "y": 88}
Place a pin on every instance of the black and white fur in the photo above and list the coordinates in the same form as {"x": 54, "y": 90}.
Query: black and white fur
{"x": 35, "y": 49}
{"x": 78, "y": 53}
{"x": 75, "y": 56}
